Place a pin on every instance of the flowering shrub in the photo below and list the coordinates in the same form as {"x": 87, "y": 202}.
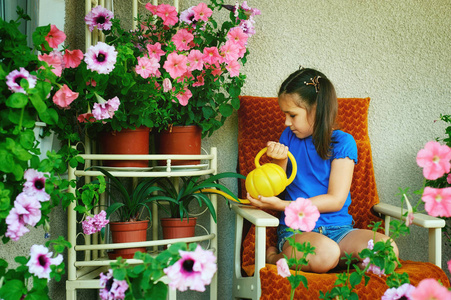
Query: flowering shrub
{"x": 187, "y": 267}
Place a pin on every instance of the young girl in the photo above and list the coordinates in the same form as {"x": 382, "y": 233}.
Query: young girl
{"x": 325, "y": 159}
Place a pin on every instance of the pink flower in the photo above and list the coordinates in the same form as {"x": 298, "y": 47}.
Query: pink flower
{"x": 230, "y": 51}
{"x": 152, "y": 8}
{"x": 193, "y": 270}
{"x": 26, "y": 211}
{"x": 282, "y": 268}
{"x": 200, "y": 81}
{"x": 234, "y": 68}
{"x": 85, "y": 118}
{"x": 434, "y": 159}
{"x": 72, "y": 58}
{"x": 16, "y": 231}
{"x": 187, "y": 15}
{"x": 301, "y": 214}
{"x": 238, "y": 36}
{"x": 448, "y": 179}
{"x": 155, "y": 50}
{"x": 372, "y": 268}
{"x": 94, "y": 224}
{"x": 202, "y": 12}
{"x": 215, "y": 70}
{"x": 176, "y": 64}
{"x": 147, "y": 66}
{"x": 168, "y": 13}
{"x": 64, "y": 96}
{"x": 41, "y": 260}
{"x": 402, "y": 292}
{"x": 182, "y": 38}
{"x": 167, "y": 85}
{"x": 211, "y": 55}
{"x": 429, "y": 288}
{"x": 195, "y": 60}
{"x": 101, "y": 58}
{"x": 106, "y": 109}
{"x": 13, "y": 80}
{"x": 54, "y": 60}
{"x": 437, "y": 201}
{"x": 99, "y": 17}
{"x": 112, "y": 289}
{"x": 55, "y": 37}
{"x": 183, "y": 96}
{"x": 35, "y": 185}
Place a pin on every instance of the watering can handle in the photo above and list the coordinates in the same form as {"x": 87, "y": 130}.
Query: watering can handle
{"x": 290, "y": 156}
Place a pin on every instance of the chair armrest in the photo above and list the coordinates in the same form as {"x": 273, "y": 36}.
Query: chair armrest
{"x": 256, "y": 216}
{"x": 434, "y": 225}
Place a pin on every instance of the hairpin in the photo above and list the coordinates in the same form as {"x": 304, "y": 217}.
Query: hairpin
{"x": 301, "y": 68}
{"x": 315, "y": 82}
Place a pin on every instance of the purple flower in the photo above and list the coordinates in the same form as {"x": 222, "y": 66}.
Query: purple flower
{"x": 101, "y": 58}
{"x": 105, "y": 109}
{"x": 35, "y": 185}
{"x": 193, "y": 270}
{"x": 26, "y": 211}
{"x": 372, "y": 268}
{"x": 187, "y": 15}
{"x": 94, "y": 224}
{"x": 402, "y": 292}
{"x": 99, "y": 17}
{"x": 41, "y": 260}
{"x": 112, "y": 289}
{"x": 13, "y": 80}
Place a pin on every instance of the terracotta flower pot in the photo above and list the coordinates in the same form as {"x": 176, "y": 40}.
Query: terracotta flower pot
{"x": 126, "y": 141}
{"x": 173, "y": 228}
{"x": 128, "y": 232}
{"x": 180, "y": 140}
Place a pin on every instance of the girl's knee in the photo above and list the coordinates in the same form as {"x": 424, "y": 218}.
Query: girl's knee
{"x": 325, "y": 259}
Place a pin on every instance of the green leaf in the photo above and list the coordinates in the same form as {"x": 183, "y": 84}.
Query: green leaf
{"x": 355, "y": 279}
{"x": 26, "y": 139}
{"x": 226, "y": 110}
{"x": 17, "y": 100}
{"x": 13, "y": 290}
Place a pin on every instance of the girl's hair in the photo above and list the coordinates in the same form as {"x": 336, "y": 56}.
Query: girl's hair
{"x": 314, "y": 88}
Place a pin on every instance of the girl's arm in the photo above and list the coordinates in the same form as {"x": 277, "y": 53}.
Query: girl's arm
{"x": 339, "y": 186}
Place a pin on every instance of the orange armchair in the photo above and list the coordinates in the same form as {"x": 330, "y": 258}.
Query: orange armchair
{"x": 260, "y": 120}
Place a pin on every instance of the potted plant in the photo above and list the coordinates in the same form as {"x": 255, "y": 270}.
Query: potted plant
{"x": 180, "y": 193}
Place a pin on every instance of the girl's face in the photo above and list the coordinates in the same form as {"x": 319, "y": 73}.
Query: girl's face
{"x": 296, "y": 117}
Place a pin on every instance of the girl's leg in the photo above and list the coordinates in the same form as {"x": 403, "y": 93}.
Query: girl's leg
{"x": 327, "y": 252}
{"x": 357, "y": 240}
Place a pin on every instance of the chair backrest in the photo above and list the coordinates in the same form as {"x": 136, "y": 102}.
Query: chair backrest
{"x": 260, "y": 120}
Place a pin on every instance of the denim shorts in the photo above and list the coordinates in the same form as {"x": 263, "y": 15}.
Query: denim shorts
{"x": 335, "y": 233}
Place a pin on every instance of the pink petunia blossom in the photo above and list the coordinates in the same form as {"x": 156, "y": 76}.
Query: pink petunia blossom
{"x": 155, "y": 50}
{"x": 86, "y": 118}
{"x": 188, "y": 15}
{"x": 372, "y": 268}
{"x": 99, "y": 17}
{"x": 195, "y": 60}
{"x": 434, "y": 159}
{"x": 105, "y": 109}
{"x": 168, "y": 14}
{"x": 152, "y": 8}
{"x": 55, "y": 36}
{"x": 176, "y": 64}
{"x": 184, "y": 95}
{"x": 211, "y": 55}
{"x": 182, "y": 38}
{"x": 193, "y": 270}
{"x": 64, "y": 96}
{"x": 282, "y": 268}
{"x": 202, "y": 12}
{"x": 229, "y": 51}
{"x": 72, "y": 58}
{"x": 35, "y": 184}
{"x": 14, "y": 77}
{"x": 111, "y": 288}
{"x": 301, "y": 214}
{"x": 215, "y": 70}
{"x": 26, "y": 211}
{"x": 101, "y": 58}
{"x": 234, "y": 68}
{"x": 147, "y": 66}
{"x": 41, "y": 260}
{"x": 402, "y": 292}
{"x": 18, "y": 229}
{"x": 437, "y": 201}
{"x": 167, "y": 85}
{"x": 238, "y": 36}
{"x": 200, "y": 81}
{"x": 94, "y": 224}
{"x": 429, "y": 288}
{"x": 53, "y": 60}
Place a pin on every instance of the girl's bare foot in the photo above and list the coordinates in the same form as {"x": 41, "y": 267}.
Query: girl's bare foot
{"x": 271, "y": 255}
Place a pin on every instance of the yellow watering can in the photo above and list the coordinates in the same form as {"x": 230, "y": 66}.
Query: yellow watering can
{"x": 267, "y": 180}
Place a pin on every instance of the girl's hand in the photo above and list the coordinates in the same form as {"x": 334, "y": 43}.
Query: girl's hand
{"x": 277, "y": 151}
{"x": 274, "y": 203}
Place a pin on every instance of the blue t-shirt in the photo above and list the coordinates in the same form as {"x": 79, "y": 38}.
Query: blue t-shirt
{"x": 313, "y": 172}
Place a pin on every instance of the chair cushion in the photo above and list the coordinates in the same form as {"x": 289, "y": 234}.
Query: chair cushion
{"x": 276, "y": 287}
